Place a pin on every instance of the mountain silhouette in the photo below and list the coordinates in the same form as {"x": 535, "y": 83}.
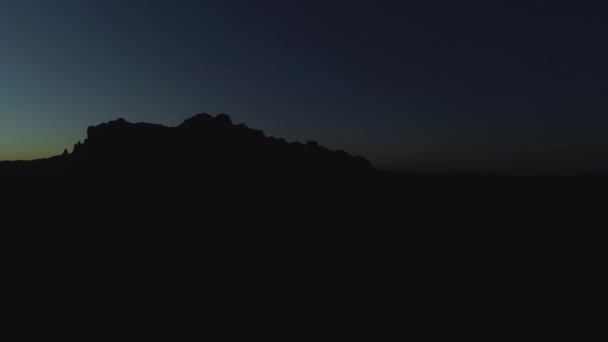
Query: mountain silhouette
{"x": 147, "y": 229}
{"x": 206, "y": 145}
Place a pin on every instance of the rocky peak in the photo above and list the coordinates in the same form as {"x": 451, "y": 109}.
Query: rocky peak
{"x": 203, "y": 142}
{"x": 205, "y": 120}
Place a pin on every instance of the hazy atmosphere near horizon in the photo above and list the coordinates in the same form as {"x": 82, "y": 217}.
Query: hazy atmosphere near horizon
{"x": 441, "y": 86}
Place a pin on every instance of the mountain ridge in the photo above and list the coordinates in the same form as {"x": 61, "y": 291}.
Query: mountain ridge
{"x": 216, "y": 142}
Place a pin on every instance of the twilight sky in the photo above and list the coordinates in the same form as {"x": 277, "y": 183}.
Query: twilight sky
{"x": 423, "y": 85}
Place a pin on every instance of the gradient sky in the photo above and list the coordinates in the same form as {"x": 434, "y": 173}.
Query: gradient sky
{"x": 482, "y": 86}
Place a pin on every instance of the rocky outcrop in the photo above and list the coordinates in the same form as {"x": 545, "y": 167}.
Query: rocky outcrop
{"x": 207, "y": 144}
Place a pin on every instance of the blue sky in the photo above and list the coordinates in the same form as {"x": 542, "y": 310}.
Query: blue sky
{"x": 412, "y": 85}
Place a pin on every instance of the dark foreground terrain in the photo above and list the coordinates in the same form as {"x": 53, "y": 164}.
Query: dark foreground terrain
{"x": 212, "y": 228}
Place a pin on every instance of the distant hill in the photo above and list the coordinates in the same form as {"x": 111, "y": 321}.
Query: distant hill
{"x": 207, "y": 145}
{"x": 203, "y": 149}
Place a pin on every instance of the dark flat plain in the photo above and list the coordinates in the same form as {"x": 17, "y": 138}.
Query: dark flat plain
{"x": 394, "y": 254}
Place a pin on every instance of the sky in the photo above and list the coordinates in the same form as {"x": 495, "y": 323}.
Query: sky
{"x": 432, "y": 86}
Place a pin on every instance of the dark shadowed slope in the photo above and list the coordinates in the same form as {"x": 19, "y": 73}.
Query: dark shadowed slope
{"x": 204, "y": 146}
{"x": 203, "y": 149}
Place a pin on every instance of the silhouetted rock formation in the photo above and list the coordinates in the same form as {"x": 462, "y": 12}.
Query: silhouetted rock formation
{"x": 206, "y": 145}
{"x": 183, "y": 229}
